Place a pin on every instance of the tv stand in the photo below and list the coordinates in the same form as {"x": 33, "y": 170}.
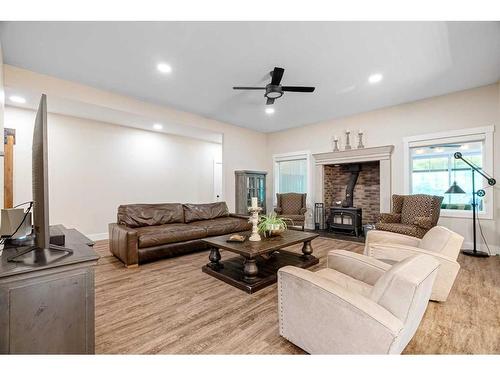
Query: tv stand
{"x": 48, "y": 295}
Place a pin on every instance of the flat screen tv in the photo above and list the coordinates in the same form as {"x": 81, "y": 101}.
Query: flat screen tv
{"x": 42, "y": 247}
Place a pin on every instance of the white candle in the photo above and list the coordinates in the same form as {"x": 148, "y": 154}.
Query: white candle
{"x": 254, "y": 202}
{"x": 360, "y": 131}
{"x": 336, "y": 138}
{"x": 347, "y": 131}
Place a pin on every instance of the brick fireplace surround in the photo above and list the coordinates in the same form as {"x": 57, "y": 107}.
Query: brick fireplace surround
{"x": 366, "y": 190}
{"x": 371, "y": 160}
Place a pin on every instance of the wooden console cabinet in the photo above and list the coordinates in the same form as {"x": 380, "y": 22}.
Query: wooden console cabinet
{"x": 48, "y": 307}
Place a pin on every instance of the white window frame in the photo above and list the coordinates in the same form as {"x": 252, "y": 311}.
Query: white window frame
{"x": 484, "y": 134}
{"x": 296, "y": 155}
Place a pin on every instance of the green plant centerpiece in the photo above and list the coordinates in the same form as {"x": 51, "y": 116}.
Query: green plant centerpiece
{"x": 271, "y": 225}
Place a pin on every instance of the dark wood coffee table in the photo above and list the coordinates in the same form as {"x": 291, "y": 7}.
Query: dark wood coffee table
{"x": 258, "y": 262}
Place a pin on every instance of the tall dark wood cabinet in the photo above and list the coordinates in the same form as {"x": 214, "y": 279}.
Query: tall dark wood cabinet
{"x": 250, "y": 184}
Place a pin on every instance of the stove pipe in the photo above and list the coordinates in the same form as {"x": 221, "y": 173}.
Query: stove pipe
{"x": 349, "y": 190}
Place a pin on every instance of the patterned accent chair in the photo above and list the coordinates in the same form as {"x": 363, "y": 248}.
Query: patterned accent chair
{"x": 412, "y": 215}
{"x": 292, "y": 206}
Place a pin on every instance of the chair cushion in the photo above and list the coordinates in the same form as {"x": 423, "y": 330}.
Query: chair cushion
{"x": 409, "y": 230}
{"x": 418, "y": 205}
{"x": 295, "y": 219}
{"x": 223, "y": 225}
{"x": 168, "y": 233}
{"x": 345, "y": 281}
{"x": 291, "y": 203}
{"x": 196, "y": 212}
{"x": 142, "y": 215}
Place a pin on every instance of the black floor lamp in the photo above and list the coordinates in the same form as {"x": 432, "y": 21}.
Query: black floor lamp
{"x": 455, "y": 189}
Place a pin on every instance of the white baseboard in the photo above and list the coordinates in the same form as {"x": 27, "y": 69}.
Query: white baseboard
{"x": 98, "y": 236}
{"x": 495, "y": 250}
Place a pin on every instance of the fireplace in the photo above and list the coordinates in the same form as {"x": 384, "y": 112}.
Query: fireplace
{"x": 345, "y": 220}
{"x": 351, "y": 196}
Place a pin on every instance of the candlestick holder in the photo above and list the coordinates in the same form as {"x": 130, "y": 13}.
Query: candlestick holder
{"x": 360, "y": 142}
{"x": 347, "y": 141}
{"x": 336, "y": 145}
{"x": 254, "y": 219}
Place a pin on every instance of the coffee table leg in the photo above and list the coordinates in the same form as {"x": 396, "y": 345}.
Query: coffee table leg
{"x": 214, "y": 258}
{"x": 250, "y": 269}
{"x": 307, "y": 249}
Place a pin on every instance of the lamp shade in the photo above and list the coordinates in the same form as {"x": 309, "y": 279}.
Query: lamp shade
{"x": 454, "y": 189}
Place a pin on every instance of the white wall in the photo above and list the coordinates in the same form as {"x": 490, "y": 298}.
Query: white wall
{"x": 2, "y": 105}
{"x": 465, "y": 109}
{"x": 95, "y": 166}
{"x": 242, "y": 148}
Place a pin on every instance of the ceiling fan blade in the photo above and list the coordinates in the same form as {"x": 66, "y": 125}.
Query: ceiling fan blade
{"x": 277, "y": 75}
{"x": 298, "y": 88}
{"x": 270, "y": 101}
{"x": 248, "y": 88}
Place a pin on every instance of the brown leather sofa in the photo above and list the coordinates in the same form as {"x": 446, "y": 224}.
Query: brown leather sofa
{"x": 147, "y": 232}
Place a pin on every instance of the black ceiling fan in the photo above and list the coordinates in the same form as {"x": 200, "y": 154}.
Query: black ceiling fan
{"x": 274, "y": 90}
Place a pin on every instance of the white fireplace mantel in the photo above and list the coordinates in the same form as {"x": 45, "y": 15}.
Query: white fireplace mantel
{"x": 381, "y": 154}
{"x": 358, "y": 155}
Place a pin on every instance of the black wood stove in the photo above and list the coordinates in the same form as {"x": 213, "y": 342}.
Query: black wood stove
{"x": 345, "y": 218}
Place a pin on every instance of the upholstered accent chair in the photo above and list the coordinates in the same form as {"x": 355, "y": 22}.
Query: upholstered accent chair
{"x": 357, "y": 305}
{"x": 292, "y": 206}
{"x": 439, "y": 242}
{"x": 412, "y": 215}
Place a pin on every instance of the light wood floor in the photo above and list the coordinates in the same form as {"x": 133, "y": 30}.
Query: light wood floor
{"x": 170, "y": 306}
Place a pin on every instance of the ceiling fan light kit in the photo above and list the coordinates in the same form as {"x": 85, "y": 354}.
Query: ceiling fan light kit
{"x": 274, "y": 90}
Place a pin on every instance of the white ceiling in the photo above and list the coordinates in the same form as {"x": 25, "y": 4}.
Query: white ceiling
{"x": 418, "y": 60}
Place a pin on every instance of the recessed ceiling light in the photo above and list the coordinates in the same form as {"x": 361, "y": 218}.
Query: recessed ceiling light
{"x": 164, "y": 68}
{"x": 17, "y": 99}
{"x": 375, "y": 78}
{"x": 157, "y": 126}
{"x": 269, "y": 110}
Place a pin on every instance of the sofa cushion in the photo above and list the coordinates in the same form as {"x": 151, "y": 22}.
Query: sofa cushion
{"x": 223, "y": 225}
{"x": 196, "y": 212}
{"x": 142, "y": 215}
{"x": 168, "y": 233}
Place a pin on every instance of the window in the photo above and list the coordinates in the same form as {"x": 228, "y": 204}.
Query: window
{"x": 292, "y": 176}
{"x": 431, "y": 168}
{"x": 435, "y": 169}
{"x": 291, "y": 173}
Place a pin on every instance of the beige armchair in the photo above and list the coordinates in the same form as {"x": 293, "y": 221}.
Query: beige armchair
{"x": 292, "y": 206}
{"x": 439, "y": 242}
{"x": 357, "y": 305}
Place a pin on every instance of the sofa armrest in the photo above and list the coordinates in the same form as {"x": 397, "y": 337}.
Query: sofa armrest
{"x": 360, "y": 267}
{"x": 322, "y": 317}
{"x": 240, "y": 216}
{"x": 278, "y": 210}
{"x": 390, "y": 218}
{"x": 123, "y": 244}
{"x": 447, "y": 272}
{"x": 303, "y": 211}
{"x": 382, "y": 236}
